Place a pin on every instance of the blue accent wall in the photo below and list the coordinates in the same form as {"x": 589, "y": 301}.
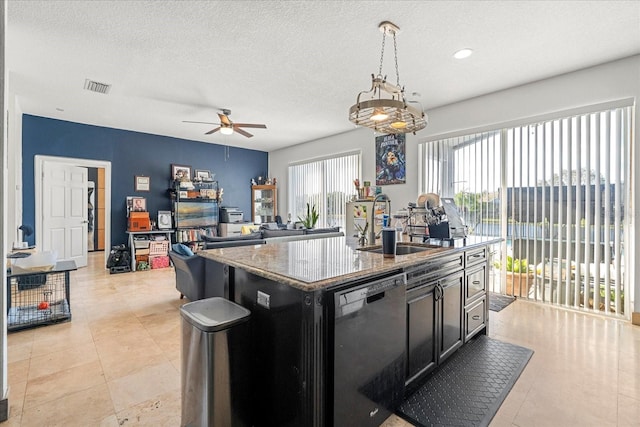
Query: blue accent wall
{"x": 136, "y": 153}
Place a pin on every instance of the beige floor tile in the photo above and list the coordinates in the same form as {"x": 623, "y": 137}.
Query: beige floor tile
{"x": 18, "y": 371}
{"x": 115, "y": 324}
{"x": 395, "y": 421}
{"x": 126, "y": 355}
{"x": 110, "y": 421}
{"x": 145, "y": 385}
{"x": 63, "y": 383}
{"x": 628, "y": 411}
{"x": 60, "y": 337}
{"x": 24, "y": 336}
{"x": 20, "y": 351}
{"x": 162, "y": 411}
{"x": 93, "y": 405}
{"x": 14, "y": 422}
{"x": 629, "y": 384}
{"x": 16, "y": 399}
{"x": 71, "y": 357}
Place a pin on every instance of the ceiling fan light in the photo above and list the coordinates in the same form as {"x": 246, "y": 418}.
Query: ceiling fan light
{"x": 226, "y": 130}
{"x": 379, "y": 114}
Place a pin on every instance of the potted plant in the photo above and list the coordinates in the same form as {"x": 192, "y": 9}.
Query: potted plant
{"x": 311, "y": 218}
{"x": 519, "y": 276}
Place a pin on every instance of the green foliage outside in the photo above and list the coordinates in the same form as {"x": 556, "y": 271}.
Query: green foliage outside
{"x": 513, "y": 265}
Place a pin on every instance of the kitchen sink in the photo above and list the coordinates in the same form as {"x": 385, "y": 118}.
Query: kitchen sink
{"x": 401, "y": 249}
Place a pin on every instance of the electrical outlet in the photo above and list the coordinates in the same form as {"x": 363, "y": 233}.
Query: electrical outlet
{"x": 263, "y": 299}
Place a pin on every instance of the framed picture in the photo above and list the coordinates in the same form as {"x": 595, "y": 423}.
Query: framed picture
{"x": 164, "y": 220}
{"x": 138, "y": 204}
{"x": 390, "y": 159}
{"x": 142, "y": 183}
{"x": 203, "y": 175}
{"x": 181, "y": 172}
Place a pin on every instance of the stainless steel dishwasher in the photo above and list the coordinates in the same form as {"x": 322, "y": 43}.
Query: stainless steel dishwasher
{"x": 369, "y": 351}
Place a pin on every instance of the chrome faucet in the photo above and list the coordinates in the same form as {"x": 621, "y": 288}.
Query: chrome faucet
{"x": 372, "y": 232}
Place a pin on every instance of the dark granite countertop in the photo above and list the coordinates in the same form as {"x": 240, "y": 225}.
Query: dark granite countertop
{"x": 322, "y": 263}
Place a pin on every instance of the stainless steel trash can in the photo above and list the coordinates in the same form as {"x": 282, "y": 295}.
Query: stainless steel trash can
{"x": 215, "y": 368}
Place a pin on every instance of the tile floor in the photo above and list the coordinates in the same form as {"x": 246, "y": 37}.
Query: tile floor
{"x": 117, "y": 363}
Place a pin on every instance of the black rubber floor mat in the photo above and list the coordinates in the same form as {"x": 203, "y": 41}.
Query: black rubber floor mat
{"x": 497, "y": 302}
{"x": 468, "y": 389}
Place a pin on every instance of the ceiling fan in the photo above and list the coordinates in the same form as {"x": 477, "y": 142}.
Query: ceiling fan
{"x": 226, "y": 126}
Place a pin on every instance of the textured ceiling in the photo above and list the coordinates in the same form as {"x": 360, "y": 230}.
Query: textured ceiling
{"x": 296, "y": 66}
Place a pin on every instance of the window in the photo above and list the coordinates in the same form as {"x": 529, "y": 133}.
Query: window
{"x": 555, "y": 190}
{"x": 326, "y": 184}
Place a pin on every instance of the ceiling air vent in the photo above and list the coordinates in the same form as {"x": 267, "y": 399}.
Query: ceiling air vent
{"x": 96, "y": 86}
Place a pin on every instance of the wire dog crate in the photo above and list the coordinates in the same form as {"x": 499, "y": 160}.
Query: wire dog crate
{"x": 40, "y": 298}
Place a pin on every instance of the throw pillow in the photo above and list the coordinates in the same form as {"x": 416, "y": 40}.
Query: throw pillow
{"x": 181, "y": 249}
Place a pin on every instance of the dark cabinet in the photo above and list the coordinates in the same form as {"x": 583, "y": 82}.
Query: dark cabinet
{"x": 421, "y": 332}
{"x": 476, "y": 282}
{"x": 434, "y": 324}
{"x": 450, "y": 315}
{"x": 447, "y": 305}
{"x": 475, "y": 293}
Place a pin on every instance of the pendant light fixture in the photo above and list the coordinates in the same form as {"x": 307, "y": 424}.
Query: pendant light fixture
{"x": 387, "y": 111}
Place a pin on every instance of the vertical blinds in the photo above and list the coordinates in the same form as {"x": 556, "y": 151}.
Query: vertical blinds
{"x": 556, "y": 192}
{"x": 326, "y": 184}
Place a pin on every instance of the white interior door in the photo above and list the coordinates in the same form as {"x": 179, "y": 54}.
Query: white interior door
{"x": 64, "y": 211}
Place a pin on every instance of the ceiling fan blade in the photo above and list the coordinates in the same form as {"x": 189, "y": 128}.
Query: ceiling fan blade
{"x": 212, "y": 131}
{"x": 206, "y": 123}
{"x": 224, "y": 119}
{"x": 250, "y": 125}
{"x": 242, "y": 132}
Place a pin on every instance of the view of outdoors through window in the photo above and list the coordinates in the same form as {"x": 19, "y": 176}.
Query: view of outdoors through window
{"x": 325, "y": 185}
{"x": 555, "y": 192}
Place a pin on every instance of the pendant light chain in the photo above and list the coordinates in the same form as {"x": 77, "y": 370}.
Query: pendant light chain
{"x": 384, "y": 36}
{"x": 395, "y": 55}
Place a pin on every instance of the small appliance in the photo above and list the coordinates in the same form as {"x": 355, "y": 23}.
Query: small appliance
{"x": 231, "y": 214}
{"x": 446, "y": 223}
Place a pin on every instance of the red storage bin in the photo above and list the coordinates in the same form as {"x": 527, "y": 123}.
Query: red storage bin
{"x": 159, "y": 261}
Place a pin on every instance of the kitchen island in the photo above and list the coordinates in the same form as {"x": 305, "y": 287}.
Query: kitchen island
{"x": 338, "y": 332}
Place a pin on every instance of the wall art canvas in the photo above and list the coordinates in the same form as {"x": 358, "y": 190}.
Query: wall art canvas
{"x": 390, "y": 159}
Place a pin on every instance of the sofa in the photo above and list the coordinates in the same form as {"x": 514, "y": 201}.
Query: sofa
{"x": 199, "y": 278}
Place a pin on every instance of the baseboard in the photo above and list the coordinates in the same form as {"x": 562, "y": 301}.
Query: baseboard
{"x": 635, "y": 318}
{"x": 4, "y": 409}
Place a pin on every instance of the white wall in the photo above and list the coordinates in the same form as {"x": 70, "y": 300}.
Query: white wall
{"x": 607, "y": 82}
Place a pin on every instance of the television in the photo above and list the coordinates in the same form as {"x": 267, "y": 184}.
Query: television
{"x": 196, "y": 214}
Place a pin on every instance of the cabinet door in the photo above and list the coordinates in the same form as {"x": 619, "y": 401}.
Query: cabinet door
{"x": 421, "y": 345}
{"x": 450, "y": 315}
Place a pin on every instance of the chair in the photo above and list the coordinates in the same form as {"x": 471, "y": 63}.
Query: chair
{"x": 189, "y": 275}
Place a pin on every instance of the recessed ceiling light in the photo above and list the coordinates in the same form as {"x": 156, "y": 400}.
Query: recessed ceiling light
{"x": 59, "y": 109}
{"x": 463, "y": 53}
